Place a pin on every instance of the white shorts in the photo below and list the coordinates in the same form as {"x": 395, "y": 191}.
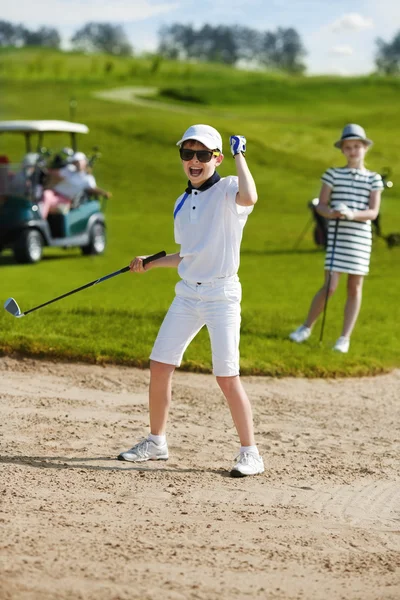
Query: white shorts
{"x": 216, "y": 305}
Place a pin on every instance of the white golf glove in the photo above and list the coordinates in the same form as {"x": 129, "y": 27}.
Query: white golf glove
{"x": 238, "y": 144}
{"x": 346, "y": 212}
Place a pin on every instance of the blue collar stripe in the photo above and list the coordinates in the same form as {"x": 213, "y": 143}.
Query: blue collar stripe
{"x": 181, "y": 203}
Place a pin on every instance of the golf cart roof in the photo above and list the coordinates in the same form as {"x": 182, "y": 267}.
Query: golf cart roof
{"x": 42, "y": 126}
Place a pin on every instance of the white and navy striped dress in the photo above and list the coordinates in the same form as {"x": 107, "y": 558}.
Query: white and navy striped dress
{"x": 352, "y": 251}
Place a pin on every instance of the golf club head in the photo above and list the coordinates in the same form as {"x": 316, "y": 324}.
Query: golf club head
{"x": 12, "y": 307}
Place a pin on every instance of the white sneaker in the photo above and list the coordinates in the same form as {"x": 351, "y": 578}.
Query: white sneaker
{"x": 342, "y": 345}
{"x": 247, "y": 463}
{"x": 301, "y": 334}
{"x": 145, "y": 450}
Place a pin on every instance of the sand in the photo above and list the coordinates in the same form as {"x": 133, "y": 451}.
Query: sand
{"x": 322, "y": 522}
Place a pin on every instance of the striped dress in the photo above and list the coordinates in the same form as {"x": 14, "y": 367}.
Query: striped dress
{"x": 352, "y": 250}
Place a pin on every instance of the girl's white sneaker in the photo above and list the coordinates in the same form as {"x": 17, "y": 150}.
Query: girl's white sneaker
{"x": 301, "y": 334}
{"x": 342, "y": 345}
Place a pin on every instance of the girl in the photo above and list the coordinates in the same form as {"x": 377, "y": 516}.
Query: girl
{"x": 351, "y": 194}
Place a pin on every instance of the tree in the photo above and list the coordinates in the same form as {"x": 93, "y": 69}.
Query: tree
{"x": 214, "y": 44}
{"x": 208, "y": 43}
{"x": 10, "y": 34}
{"x": 102, "y": 37}
{"x": 18, "y": 35}
{"x": 176, "y": 41}
{"x": 47, "y": 37}
{"x": 248, "y": 43}
{"x": 283, "y": 50}
{"x": 387, "y": 59}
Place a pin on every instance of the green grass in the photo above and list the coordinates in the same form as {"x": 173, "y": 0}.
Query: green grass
{"x": 290, "y": 124}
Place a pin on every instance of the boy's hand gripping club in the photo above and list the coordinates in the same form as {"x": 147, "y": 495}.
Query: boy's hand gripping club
{"x": 12, "y": 307}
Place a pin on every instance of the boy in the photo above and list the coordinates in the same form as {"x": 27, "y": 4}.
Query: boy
{"x": 208, "y": 224}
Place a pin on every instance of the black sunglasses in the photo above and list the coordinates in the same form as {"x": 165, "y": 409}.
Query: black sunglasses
{"x": 203, "y": 156}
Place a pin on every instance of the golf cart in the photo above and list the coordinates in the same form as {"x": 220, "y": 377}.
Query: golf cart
{"x": 22, "y": 227}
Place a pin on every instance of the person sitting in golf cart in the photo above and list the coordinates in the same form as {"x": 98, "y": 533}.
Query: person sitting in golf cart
{"x": 28, "y": 181}
{"x": 68, "y": 184}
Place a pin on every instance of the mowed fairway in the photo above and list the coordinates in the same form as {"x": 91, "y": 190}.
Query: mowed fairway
{"x": 290, "y": 125}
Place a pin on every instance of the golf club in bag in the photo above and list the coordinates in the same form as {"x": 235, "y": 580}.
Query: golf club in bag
{"x": 392, "y": 239}
{"x": 320, "y": 230}
{"x": 329, "y": 279}
{"x": 12, "y": 307}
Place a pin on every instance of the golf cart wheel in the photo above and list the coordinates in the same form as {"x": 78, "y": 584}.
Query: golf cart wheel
{"x": 97, "y": 242}
{"x": 28, "y": 248}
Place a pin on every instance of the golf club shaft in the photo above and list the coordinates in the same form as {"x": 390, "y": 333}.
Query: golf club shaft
{"x": 303, "y": 233}
{"x": 329, "y": 280}
{"x": 84, "y": 287}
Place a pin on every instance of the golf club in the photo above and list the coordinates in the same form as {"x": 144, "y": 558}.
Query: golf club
{"x": 306, "y": 228}
{"x": 329, "y": 280}
{"x": 320, "y": 226}
{"x": 12, "y": 307}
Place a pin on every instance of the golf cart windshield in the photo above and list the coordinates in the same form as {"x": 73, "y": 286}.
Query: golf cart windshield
{"x": 20, "y": 179}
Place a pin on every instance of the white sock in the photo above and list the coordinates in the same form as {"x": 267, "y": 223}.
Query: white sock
{"x": 159, "y": 440}
{"x": 252, "y": 449}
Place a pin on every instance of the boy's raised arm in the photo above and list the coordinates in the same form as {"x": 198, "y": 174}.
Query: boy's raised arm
{"x": 247, "y": 194}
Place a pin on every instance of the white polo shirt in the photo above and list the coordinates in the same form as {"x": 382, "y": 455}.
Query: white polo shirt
{"x": 74, "y": 182}
{"x": 209, "y": 228}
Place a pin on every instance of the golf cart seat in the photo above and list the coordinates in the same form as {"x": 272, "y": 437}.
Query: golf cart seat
{"x": 84, "y": 197}
{"x": 79, "y": 199}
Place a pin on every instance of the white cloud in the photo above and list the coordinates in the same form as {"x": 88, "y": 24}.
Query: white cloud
{"x": 342, "y": 50}
{"x": 64, "y": 13}
{"x": 351, "y": 22}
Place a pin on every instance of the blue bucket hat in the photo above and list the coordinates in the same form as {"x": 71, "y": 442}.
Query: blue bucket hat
{"x": 353, "y": 132}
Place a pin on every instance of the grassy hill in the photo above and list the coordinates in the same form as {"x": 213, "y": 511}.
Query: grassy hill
{"x": 290, "y": 124}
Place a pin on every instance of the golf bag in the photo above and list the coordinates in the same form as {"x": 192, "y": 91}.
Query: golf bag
{"x": 392, "y": 239}
{"x": 320, "y": 231}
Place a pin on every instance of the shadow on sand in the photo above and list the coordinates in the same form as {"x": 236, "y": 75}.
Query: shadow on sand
{"x": 63, "y": 462}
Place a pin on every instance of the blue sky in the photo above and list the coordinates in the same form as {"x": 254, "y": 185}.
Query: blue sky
{"x": 339, "y": 36}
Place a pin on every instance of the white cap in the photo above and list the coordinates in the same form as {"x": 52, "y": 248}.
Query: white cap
{"x": 205, "y": 134}
{"x": 77, "y": 156}
{"x": 30, "y": 159}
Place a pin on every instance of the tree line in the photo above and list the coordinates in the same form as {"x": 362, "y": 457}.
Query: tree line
{"x": 92, "y": 37}
{"x": 281, "y": 49}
